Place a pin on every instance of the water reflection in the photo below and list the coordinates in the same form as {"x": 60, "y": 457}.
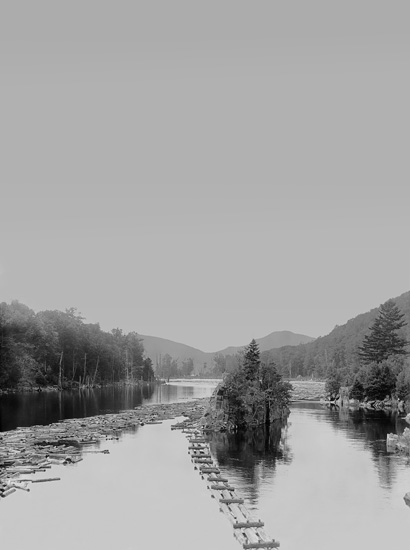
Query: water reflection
{"x": 370, "y": 428}
{"x": 28, "y": 409}
{"x": 252, "y": 455}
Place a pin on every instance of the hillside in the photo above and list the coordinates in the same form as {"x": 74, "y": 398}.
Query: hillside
{"x": 156, "y": 348}
{"x": 338, "y": 348}
{"x": 273, "y": 340}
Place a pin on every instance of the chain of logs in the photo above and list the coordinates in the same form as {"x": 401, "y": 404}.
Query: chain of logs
{"x": 247, "y": 530}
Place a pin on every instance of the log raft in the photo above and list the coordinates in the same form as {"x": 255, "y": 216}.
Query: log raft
{"x": 246, "y": 529}
{"x": 34, "y": 450}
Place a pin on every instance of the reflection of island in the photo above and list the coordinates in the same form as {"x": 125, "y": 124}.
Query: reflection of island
{"x": 251, "y": 455}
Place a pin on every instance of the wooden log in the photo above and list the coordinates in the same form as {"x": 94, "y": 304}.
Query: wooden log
{"x": 222, "y": 488}
{"x": 231, "y": 500}
{"x": 46, "y": 479}
{"x": 8, "y": 492}
{"x": 262, "y": 544}
{"x": 199, "y": 455}
{"x": 207, "y": 470}
{"x": 221, "y": 479}
{"x": 246, "y": 524}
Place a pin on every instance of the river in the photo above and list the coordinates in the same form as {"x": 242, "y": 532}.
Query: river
{"x": 323, "y": 480}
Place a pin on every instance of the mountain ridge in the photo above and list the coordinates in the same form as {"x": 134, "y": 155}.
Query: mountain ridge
{"x": 156, "y": 347}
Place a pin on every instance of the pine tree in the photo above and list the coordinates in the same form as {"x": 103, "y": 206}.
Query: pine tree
{"x": 251, "y": 360}
{"x": 383, "y": 339}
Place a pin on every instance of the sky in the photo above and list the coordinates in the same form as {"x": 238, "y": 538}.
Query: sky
{"x": 205, "y": 172}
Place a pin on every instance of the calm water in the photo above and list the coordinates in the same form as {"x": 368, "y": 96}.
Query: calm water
{"x": 29, "y": 409}
{"x": 322, "y": 480}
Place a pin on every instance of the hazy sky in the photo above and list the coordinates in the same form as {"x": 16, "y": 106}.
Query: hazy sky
{"x": 206, "y": 172}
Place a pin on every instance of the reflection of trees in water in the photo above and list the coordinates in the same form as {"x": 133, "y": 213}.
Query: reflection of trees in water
{"x": 371, "y": 428}
{"x": 45, "y": 407}
{"x": 251, "y": 455}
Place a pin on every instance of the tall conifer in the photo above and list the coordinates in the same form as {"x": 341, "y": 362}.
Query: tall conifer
{"x": 383, "y": 339}
{"x": 251, "y": 361}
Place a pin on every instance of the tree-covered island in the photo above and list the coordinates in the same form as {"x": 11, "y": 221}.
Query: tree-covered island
{"x": 252, "y": 396}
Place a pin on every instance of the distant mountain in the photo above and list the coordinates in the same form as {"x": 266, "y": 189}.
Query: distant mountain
{"x": 156, "y": 347}
{"x": 337, "y": 349}
{"x": 273, "y": 340}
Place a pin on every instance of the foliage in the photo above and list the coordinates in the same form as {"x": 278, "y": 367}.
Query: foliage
{"x": 383, "y": 340}
{"x": 251, "y": 360}
{"x": 254, "y": 391}
{"x": 333, "y": 383}
{"x": 33, "y": 346}
{"x": 379, "y": 381}
{"x": 357, "y": 389}
{"x": 403, "y": 384}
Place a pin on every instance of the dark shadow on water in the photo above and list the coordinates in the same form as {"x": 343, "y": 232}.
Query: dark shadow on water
{"x": 28, "y": 409}
{"x": 252, "y": 455}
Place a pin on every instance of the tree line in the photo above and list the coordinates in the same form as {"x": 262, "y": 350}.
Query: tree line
{"x": 57, "y": 348}
{"x": 169, "y": 367}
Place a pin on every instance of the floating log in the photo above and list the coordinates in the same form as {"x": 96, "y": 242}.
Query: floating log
{"x": 222, "y": 488}
{"x": 47, "y": 479}
{"x": 221, "y": 479}
{"x": 263, "y": 544}
{"x": 231, "y": 500}
{"x": 206, "y": 470}
{"x": 246, "y": 524}
{"x": 203, "y": 455}
{"x": 8, "y": 492}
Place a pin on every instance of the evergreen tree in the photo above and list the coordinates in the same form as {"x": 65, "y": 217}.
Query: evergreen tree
{"x": 251, "y": 360}
{"x": 380, "y": 381}
{"x": 383, "y": 340}
{"x": 357, "y": 389}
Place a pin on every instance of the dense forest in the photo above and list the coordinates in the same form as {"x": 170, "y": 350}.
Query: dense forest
{"x": 58, "y": 348}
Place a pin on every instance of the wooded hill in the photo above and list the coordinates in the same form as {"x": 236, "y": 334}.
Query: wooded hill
{"x": 338, "y": 349}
